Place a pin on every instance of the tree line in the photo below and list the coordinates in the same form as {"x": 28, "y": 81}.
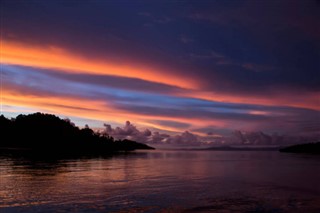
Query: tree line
{"x": 47, "y": 133}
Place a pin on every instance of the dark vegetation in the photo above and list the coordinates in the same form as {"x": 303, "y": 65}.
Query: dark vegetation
{"x": 312, "y": 148}
{"x": 47, "y": 134}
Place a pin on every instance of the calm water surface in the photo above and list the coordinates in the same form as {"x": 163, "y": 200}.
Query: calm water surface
{"x": 163, "y": 181}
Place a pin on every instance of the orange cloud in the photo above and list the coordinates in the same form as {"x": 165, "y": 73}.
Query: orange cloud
{"x": 92, "y": 109}
{"x": 58, "y": 58}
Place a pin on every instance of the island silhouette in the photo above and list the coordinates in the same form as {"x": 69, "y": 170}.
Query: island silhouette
{"x": 312, "y": 148}
{"x": 47, "y": 134}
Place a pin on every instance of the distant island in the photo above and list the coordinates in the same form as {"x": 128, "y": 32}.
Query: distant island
{"x": 48, "y": 134}
{"x": 312, "y": 148}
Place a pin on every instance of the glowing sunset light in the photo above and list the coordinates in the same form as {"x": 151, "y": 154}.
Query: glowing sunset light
{"x": 97, "y": 110}
{"x": 159, "y": 105}
{"x": 59, "y": 58}
{"x": 199, "y": 72}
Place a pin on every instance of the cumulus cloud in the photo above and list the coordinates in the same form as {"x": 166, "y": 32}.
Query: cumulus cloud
{"x": 121, "y": 133}
{"x": 131, "y": 132}
{"x": 186, "y": 138}
{"x": 238, "y": 137}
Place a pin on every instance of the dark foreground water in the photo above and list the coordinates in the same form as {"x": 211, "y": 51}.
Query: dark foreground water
{"x": 164, "y": 181}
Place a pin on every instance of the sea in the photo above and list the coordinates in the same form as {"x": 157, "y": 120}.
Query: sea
{"x": 163, "y": 181}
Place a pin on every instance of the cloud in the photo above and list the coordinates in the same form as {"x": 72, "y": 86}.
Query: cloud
{"x": 107, "y": 36}
{"x": 91, "y": 95}
{"x": 58, "y": 58}
{"x": 290, "y": 46}
{"x": 221, "y": 59}
{"x": 186, "y": 138}
{"x": 257, "y": 67}
{"x": 130, "y": 131}
{"x": 170, "y": 123}
{"x": 243, "y": 58}
{"x": 263, "y": 16}
{"x": 211, "y": 55}
{"x": 185, "y": 39}
{"x": 261, "y": 138}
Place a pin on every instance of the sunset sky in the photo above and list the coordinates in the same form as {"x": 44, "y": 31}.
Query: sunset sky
{"x": 193, "y": 70}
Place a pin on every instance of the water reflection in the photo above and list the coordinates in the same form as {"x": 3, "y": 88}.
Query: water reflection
{"x": 155, "y": 181}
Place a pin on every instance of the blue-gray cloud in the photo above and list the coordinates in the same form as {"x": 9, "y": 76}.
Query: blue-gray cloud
{"x": 135, "y": 100}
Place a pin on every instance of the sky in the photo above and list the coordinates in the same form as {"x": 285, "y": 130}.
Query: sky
{"x": 174, "y": 72}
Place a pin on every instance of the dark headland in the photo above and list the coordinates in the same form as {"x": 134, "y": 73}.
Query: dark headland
{"x": 312, "y": 148}
{"x": 47, "y": 134}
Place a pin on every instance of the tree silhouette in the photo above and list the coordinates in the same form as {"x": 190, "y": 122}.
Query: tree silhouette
{"x": 47, "y": 133}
